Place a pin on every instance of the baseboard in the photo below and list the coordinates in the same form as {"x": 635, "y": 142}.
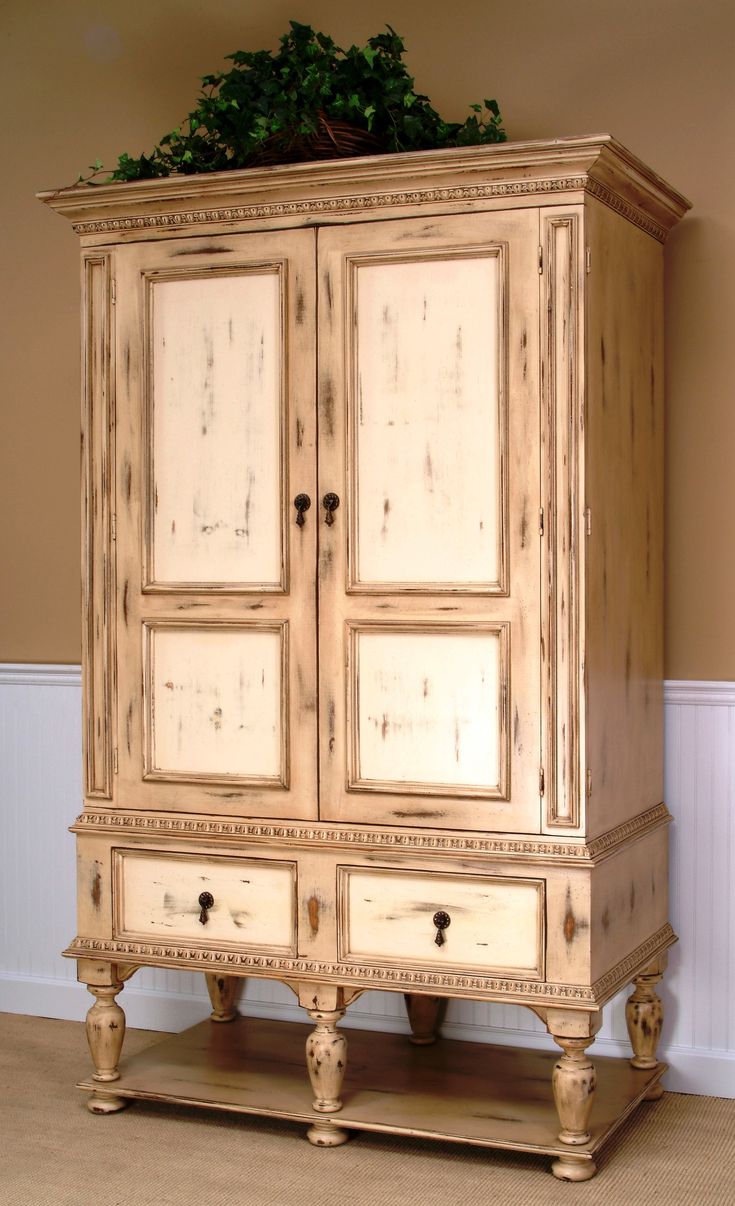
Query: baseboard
{"x": 145, "y": 1009}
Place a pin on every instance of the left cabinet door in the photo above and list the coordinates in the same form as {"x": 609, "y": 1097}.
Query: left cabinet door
{"x": 215, "y": 609}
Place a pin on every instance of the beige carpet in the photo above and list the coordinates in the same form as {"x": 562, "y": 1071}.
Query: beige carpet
{"x": 679, "y": 1151}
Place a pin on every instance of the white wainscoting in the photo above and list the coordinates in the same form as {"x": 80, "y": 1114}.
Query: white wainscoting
{"x": 40, "y": 791}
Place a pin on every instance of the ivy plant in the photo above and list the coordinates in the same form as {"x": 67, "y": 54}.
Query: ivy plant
{"x": 287, "y": 106}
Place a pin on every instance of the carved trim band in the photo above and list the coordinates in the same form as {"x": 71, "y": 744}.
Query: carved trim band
{"x": 364, "y": 201}
{"x": 187, "y": 827}
{"x": 531, "y": 991}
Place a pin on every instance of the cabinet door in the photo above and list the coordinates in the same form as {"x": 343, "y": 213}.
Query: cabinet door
{"x": 429, "y": 572}
{"x": 216, "y": 610}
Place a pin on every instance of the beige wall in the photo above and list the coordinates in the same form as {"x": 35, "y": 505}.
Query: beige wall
{"x": 86, "y": 79}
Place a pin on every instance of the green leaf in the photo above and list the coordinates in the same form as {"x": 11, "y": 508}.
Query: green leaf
{"x": 277, "y": 98}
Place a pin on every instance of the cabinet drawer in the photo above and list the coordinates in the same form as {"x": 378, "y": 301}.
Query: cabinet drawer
{"x": 496, "y": 924}
{"x": 157, "y": 896}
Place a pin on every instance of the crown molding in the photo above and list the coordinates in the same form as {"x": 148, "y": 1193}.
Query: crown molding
{"x": 330, "y": 190}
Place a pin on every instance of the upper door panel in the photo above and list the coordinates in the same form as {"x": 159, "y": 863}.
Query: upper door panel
{"x": 429, "y": 574}
{"x": 216, "y": 608}
{"x": 425, "y": 432}
{"x": 217, "y": 463}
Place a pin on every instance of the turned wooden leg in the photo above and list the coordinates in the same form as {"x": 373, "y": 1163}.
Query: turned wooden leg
{"x": 425, "y": 1016}
{"x": 644, "y": 1015}
{"x": 573, "y": 1082}
{"x": 224, "y": 993}
{"x": 326, "y": 1058}
{"x": 105, "y": 1034}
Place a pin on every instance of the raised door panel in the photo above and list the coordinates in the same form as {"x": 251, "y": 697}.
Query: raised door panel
{"x": 426, "y": 439}
{"x": 216, "y": 457}
{"x": 429, "y": 572}
{"x": 216, "y": 609}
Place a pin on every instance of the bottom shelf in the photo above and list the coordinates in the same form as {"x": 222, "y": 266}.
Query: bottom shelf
{"x": 464, "y": 1092}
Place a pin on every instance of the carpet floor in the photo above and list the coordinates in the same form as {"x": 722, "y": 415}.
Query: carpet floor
{"x": 679, "y": 1151}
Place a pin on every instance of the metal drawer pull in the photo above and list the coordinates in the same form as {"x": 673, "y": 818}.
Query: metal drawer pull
{"x": 206, "y": 900}
{"x": 330, "y": 503}
{"x": 302, "y": 502}
{"x": 442, "y": 921}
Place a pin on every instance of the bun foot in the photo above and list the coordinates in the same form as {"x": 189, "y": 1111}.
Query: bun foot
{"x": 106, "y": 1105}
{"x": 325, "y": 1134}
{"x": 655, "y": 1092}
{"x": 574, "y": 1168}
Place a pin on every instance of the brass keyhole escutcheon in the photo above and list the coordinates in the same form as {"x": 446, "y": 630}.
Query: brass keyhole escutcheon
{"x": 442, "y": 921}
{"x": 330, "y": 503}
{"x": 302, "y": 502}
{"x": 206, "y": 902}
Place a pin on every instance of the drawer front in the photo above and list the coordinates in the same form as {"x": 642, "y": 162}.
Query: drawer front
{"x": 496, "y": 924}
{"x": 157, "y": 896}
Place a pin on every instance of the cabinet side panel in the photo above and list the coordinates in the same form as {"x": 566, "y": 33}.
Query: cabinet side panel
{"x": 629, "y": 900}
{"x": 624, "y": 545}
{"x": 97, "y": 581}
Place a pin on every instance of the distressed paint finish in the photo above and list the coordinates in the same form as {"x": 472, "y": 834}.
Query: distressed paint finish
{"x": 426, "y": 421}
{"x": 624, "y": 552}
{"x": 485, "y": 1096}
{"x": 98, "y": 562}
{"x": 326, "y": 1059}
{"x": 444, "y": 572}
{"x": 105, "y": 1027}
{"x": 181, "y": 747}
{"x": 562, "y": 427}
{"x": 215, "y": 352}
{"x": 460, "y": 180}
{"x": 450, "y": 364}
{"x": 644, "y": 1016}
{"x": 630, "y": 898}
{"x": 217, "y": 701}
{"x": 387, "y": 916}
{"x": 254, "y": 900}
{"x": 428, "y": 710}
{"x": 224, "y": 993}
{"x": 582, "y": 957}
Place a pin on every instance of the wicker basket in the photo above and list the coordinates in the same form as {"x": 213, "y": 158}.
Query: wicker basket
{"x": 333, "y": 139}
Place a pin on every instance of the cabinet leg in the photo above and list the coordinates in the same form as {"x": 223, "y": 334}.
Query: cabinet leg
{"x": 425, "y": 1016}
{"x": 105, "y": 1034}
{"x": 326, "y": 1060}
{"x": 326, "y": 1057}
{"x": 224, "y": 993}
{"x": 644, "y": 1015}
{"x": 573, "y": 1082}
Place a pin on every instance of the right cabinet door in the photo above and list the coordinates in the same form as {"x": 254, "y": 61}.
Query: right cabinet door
{"x": 429, "y": 572}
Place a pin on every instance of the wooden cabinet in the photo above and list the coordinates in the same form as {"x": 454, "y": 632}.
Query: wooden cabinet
{"x": 372, "y": 642}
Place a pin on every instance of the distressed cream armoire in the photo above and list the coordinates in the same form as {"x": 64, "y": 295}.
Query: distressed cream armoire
{"x": 373, "y": 629}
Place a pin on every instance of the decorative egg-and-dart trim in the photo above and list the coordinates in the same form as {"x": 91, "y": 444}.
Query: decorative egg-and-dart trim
{"x": 450, "y": 984}
{"x": 315, "y": 206}
{"x": 197, "y": 827}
